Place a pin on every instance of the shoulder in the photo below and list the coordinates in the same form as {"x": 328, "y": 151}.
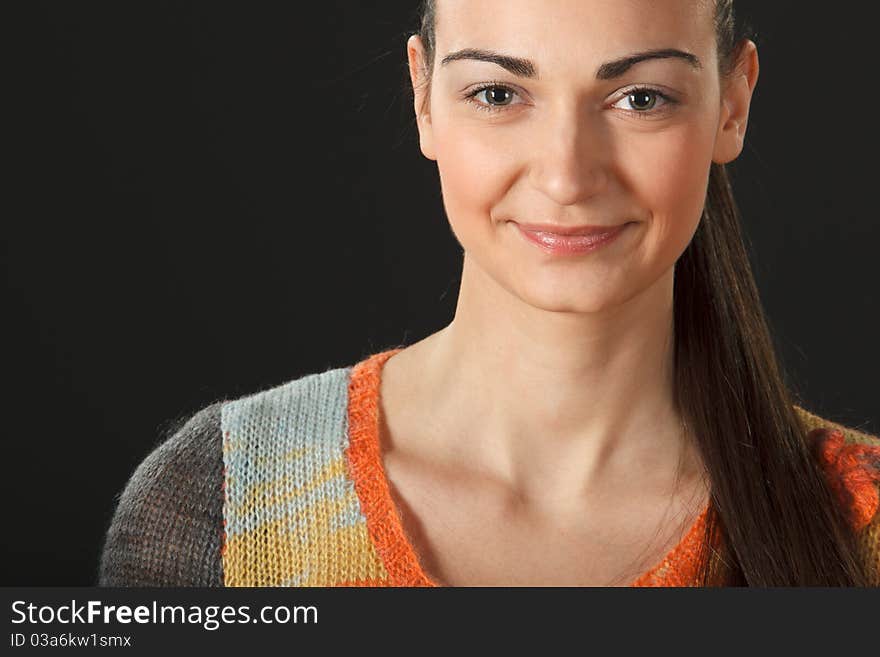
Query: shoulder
{"x": 166, "y": 529}
{"x": 189, "y": 496}
{"x": 838, "y": 446}
{"x": 813, "y": 422}
{"x": 850, "y": 459}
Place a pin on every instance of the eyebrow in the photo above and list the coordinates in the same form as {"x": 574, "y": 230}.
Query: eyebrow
{"x": 525, "y": 68}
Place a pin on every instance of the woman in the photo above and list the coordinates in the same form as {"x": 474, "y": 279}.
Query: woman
{"x": 605, "y": 408}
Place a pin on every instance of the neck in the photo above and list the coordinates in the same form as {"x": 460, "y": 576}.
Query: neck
{"x": 559, "y": 405}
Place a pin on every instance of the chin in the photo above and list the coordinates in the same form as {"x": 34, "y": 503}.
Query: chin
{"x": 570, "y": 301}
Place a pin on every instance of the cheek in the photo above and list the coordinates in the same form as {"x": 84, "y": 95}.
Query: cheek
{"x": 475, "y": 172}
{"x": 668, "y": 173}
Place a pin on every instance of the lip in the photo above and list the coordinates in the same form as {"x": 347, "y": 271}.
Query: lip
{"x": 567, "y": 230}
{"x": 560, "y": 240}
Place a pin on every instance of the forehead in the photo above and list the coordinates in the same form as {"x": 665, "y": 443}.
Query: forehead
{"x": 570, "y": 33}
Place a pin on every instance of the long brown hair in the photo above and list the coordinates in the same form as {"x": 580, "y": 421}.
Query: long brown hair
{"x": 772, "y": 514}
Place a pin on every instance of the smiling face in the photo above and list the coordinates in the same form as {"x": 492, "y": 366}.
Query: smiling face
{"x": 566, "y": 138}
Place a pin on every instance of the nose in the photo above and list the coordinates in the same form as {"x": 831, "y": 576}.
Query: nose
{"x": 569, "y": 159}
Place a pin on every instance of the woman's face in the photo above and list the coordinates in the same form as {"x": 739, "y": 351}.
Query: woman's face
{"x": 573, "y": 142}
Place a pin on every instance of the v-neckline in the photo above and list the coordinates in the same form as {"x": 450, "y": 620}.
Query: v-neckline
{"x": 364, "y": 456}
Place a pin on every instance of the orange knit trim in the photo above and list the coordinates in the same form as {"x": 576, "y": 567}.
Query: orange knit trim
{"x": 681, "y": 566}
{"x": 677, "y": 568}
{"x": 371, "y": 484}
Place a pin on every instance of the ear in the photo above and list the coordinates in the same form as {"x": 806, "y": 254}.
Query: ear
{"x": 736, "y": 97}
{"x": 419, "y": 77}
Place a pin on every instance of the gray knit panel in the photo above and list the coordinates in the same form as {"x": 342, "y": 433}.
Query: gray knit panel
{"x": 167, "y": 527}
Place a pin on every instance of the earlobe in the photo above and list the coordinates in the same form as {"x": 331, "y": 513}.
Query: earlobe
{"x": 426, "y": 135}
{"x": 735, "y": 103}
{"x": 419, "y": 80}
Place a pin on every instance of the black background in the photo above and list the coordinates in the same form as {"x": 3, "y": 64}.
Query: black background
{"x": 207, "y": 199}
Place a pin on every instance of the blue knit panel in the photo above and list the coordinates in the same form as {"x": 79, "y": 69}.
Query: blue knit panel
{"x": 284, "y": 436}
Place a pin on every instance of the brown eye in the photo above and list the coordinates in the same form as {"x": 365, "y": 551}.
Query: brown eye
{"x": 497, "y": 95}
{"x": 492, "y": 97}
{"x": 642, "y": 99}
{"x": 641, "y": 102}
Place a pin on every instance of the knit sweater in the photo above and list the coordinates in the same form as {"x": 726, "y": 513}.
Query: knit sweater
{"x": 286, "y": 487}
